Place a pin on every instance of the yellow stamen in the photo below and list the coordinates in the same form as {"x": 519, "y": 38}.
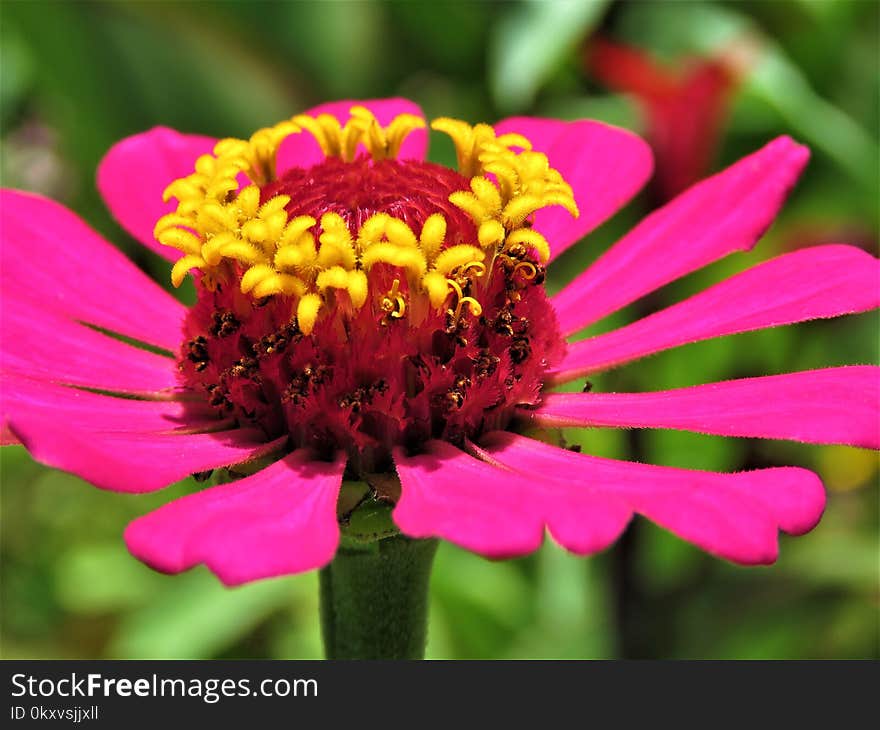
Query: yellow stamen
{"x": 433, "y": 234}
{"x": 437, "y": 286}
{"x": 284, "y": 284}
{"x": 393, "y": 302}
{"x": 307, "y": 312}
{"x": 523, "y": 183}
{"x": 527, "y": 268}
{"x": 362, "y": 127}
{"x": 457, "y": 257}
{"x": 182, "y": 267}
{"x": 358, "y": 288}
{"x": 354, "y": 282}
{"x": 474, "y": 306}
{"x": 254, "y": 275}
{"x": 530, "y": 237}
{"x": 228, "y": 232}
{"x": 403, "y": 257}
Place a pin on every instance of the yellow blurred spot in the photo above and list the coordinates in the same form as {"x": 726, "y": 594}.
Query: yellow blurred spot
{"x": 844, "y": 468}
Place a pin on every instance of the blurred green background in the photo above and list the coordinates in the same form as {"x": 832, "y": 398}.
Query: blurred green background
{"x": 78, "y": 76}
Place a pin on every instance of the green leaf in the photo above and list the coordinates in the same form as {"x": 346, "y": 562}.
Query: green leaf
{"x": 531, "y": 41}
{"x": 197, "y": 617}
{"x": 102, "y": 578}
{"x": 783, "y": 87}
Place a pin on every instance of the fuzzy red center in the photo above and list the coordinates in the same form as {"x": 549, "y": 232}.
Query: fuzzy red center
{"x": 365, "y": 381}
{"x": 406, "y": 189}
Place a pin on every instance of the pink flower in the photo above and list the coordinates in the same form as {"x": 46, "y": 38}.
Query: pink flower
{"x": 362, "y": 312}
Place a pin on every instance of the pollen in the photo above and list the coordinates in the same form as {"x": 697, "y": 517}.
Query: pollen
{"x": 364, "y": 246}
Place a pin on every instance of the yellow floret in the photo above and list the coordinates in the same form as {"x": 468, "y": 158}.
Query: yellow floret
{"x": 226, "y": 230}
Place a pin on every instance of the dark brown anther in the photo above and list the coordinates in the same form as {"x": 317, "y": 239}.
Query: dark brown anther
{"x": 448, "y": 401}
{"x": 354, "y": 400}
{"x": 247, "y": 367}
{"x": 454, "y": 399}
{"x": 218, "y": 397}
{"x": 520, "y": 349}
{"x": 197, "y": 353}
{"x": 454, "y": 328}
{"x": 318, "y": 374}
{"x": 363, "y": 396}
{"x": 485, "y": 364}
{"x": 296, "y": 391}
{"x": 224, "y": 323}
{"x": 303, "y": 382}
{"x": 503, "y": 322}
{"x": 277, "y": 341}
{"x": 588, "y": 386}
{"x": 202, "y": 476}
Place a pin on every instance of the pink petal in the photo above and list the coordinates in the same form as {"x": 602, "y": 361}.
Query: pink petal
{"x": 823, "y": 281}
{"x": 134, "y": 462}
{"x": 135, "y": 172}
{"x": 279, "y": 521}
{"x": 495, "y": 512}
{"x": 725, "y": 213}
{"x": 831, "y": 406}
{"x": 42, "y": 345}
{"x": 82, "y": 410}
{"x": 604, "y": 165}
{"x": 50, "y": 258}
{"x": 734, "y": 516}
{"x": 301, "y": 150}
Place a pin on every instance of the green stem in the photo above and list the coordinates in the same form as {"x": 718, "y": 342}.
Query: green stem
{"x": 374, "y": 599}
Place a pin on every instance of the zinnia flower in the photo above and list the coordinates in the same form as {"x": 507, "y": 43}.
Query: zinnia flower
{"x": 363, "y": 313}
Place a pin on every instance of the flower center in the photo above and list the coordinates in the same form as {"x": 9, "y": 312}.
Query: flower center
{"x": 367, "y": 302}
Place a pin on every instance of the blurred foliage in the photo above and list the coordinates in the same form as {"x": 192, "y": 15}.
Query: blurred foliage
{"x": 76, "y": 77}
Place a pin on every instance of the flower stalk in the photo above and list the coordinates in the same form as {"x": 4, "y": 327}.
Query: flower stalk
{"x": 374, "y": 599}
